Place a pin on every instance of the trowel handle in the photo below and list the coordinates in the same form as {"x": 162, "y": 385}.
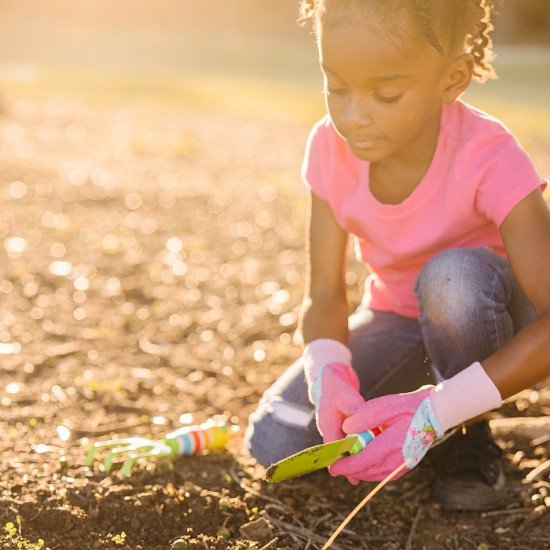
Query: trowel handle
{"x": 364, "y": 438}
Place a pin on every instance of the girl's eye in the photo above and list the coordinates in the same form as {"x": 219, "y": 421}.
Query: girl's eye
{"x": 334, "y": 91}
{"x": 384, "y": 99}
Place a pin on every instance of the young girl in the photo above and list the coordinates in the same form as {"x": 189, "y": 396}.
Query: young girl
{"x": 448, "y": 213}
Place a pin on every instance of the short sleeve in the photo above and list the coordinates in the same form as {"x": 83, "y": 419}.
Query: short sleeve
{"x": 509, "y": 176}
{"x": 314, "y": 173}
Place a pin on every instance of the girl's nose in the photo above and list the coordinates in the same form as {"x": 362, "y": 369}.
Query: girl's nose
{"x": 358, "y": 111}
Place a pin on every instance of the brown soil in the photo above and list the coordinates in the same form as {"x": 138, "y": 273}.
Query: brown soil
{"x": 129, "y": 336}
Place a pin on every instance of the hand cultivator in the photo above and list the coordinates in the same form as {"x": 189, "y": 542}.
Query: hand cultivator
{"x": 189, "y": 440}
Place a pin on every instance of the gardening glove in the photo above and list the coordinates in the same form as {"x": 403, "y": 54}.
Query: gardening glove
{"x": 333, "y": 386}
{"x": 414, "y": 420}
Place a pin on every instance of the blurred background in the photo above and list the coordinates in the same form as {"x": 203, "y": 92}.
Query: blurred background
{"x": 152, "y": 240}
{"x": 234, "y": 55}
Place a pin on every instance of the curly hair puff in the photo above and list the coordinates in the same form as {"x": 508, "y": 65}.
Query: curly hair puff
{"x": 461, "y": 26}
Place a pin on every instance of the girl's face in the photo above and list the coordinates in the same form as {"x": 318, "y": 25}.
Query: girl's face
{"x": 383, "y": 96}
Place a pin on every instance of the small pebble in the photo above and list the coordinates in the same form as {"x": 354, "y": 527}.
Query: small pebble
{"x": 179, "y": 544}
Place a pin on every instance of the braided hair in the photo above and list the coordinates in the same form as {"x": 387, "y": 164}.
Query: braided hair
{"x": 461, "y": 26}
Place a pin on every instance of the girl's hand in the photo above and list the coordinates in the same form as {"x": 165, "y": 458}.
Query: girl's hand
{"x": 334, "y": 392}
{"x": 412, "y": 428}
{"x": 414, "y": 421}
{"x": 333, "y": 386}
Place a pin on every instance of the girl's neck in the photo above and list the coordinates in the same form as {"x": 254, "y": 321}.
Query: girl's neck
{"x": 418, "y": 155}
{"x": 395, "y": 178}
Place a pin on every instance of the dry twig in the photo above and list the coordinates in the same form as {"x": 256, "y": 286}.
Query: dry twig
{"x": 540, "y": 440}
{"x": 352, "y": 514}
{"x": 270, "y": 544}
{"x": 305, "y": 534}
{"x": 257, "y": 494}
{"x": 509, "y": 511}
{"x": 412, "y": 532}
{"x": 540, "y": 470}
{"x": 412, "y": 492}
{"x": 533, "y": 517}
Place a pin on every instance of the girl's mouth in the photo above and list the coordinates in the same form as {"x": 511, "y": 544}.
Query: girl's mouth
{"x": 364, "y": 144}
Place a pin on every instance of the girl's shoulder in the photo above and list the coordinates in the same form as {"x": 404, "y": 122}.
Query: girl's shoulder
{"x": 469, "y": 122}
{"x": 322, "y": 131}
{"x": 324, "y": 141}
{"x": 329, "y": 167}
{"x": 480, "y": 139}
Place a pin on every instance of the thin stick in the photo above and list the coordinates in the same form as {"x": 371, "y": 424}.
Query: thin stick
{"x": 289, "y": 528}
{"x": 509, "y": 512}
{"x": 539, "y": 470}
{"x": 386, "y": 480}
{"x": 535, "y": 515}
{"x": 271, "y": 544}
{"x": 412, "y": 532}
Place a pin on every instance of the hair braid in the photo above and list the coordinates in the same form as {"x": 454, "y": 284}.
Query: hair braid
{"x": 423, "y": 15}
{"x": 481, "y": 42}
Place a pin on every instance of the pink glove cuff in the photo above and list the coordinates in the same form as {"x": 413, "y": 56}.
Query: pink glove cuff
{"x": 466, "y": 395}
{"x": 321, "y": 352}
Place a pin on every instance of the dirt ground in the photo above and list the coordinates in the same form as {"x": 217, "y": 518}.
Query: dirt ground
{"x": 152, "y": 270}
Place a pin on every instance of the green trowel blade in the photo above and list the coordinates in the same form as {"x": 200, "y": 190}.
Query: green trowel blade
{"x": 310, "y": 459}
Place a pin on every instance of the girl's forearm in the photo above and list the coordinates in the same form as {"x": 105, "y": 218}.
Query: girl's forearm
{"x": 324, "y": 318}
{"x": 524, "y": 360}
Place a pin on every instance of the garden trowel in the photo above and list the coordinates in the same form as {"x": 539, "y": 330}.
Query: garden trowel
{"x": 319, "y": 456}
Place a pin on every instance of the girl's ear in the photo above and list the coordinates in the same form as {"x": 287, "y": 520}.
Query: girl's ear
{"x": 458, "y": 77}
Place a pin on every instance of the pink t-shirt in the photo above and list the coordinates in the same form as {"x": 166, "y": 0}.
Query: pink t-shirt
{"x": 478, "y": 174}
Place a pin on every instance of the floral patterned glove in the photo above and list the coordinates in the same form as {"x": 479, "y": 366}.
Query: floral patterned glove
{"x": 414, "y": 421}
{"x": 412, "y": 428}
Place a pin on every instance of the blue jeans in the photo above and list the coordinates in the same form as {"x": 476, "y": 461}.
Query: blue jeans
{"x": 470, "y": 305}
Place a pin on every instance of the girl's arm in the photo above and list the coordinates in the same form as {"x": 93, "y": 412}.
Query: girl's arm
{"x": 415, "y": 419}
{"x": 325, "y": 308}
{"x": 525, "y": 360}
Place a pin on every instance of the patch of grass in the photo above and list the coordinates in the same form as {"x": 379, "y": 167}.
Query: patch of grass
{"x": 12, "y": 535}
{"x": 119, "y": 538}
{"x": 10, "y": 530}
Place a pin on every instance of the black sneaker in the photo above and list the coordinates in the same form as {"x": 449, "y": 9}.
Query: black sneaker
{"x": 472, "y": 473}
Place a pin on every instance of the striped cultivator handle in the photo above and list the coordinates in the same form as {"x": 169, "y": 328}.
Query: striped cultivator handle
{"x": 189, "y": 440}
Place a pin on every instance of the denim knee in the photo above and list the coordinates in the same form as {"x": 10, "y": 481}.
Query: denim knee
{"x": 455, "y": 284}
{"x": 470, "y": 306}
{"x": 466, "y": 299}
